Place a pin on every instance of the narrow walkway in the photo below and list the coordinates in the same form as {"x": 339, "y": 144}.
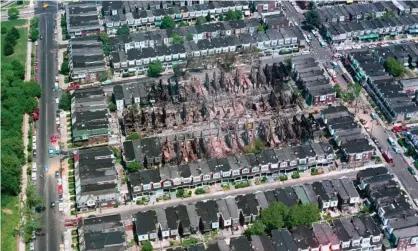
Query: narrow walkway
{"x": 24, "y": 180}
{"x": 25, "y": 128}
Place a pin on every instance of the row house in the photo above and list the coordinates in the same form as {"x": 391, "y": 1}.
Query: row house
{"x": 82, "y": 19}
{"x": 153, "y": 18}
{"x": 232, "y": 212}
{"x": 316, "y": 86}
{"x": 240, "y": 167}
{"x": 96, "y": 181}
{"x": 369, "y": 29}
{"x": 356, "y": 12}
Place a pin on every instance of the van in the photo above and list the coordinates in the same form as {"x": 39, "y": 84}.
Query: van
{"x": 34, "y": 167}
{"x": 34, "y": 176}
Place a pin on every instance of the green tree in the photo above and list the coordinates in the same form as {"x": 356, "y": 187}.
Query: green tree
{"x": 3, "y": 29}
{"x": 32, "y": 89}
{"x": 8, "y": 49}
{"x": 32, "y": 197}
{"x": 312, "y": 19}
{"x": 189, "y": 37}
{"x": 208, "y": 17}
{"x": 303, "y": 214}
{"x": 183, "y": 24}
{"x": 123, "y": 30}
{"x": 155, "y": 68}
{"x": 177, "y": 39}
{"x": 233, "y": 15}
{"x": 13, "y": 35}
{"x": 180, "y": 193}
{"x": 65, "y": 101}
{"x": 146, "y": 246}
{"x": 34, "y": 22}
{"x": 103, "y": 76}
{"x": 13, "y": 13}
{"x": 257, "y": 228}
{"x": 394, "y": 67}
{"x": 112, "y": 107}
{"x": 178, "y": 71}
{"x": 65, "y": 69}
{"x": 133, "y": 136}
{"x": 260, "y": 28}
{"x": 167, "y": 22}
{"x": 10, "y": 172}
{"x": 104, "y": 38}
{"x": 34, "y": 33}
{"x": 311, "y": 5}
{"x": 200, "y": 20}
{"x": 19, "y": 70}
{"x": 133, "y": 167}
{"x": 274, "y": 216}
{"x": 30, "y": 224}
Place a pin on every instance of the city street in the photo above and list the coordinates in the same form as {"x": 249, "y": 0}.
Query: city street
{"x": 49, "y": 238}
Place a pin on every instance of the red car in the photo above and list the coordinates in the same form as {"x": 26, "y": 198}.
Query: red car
{"x": 36, "y": 68}
{"x": 53, "y": 139}
{"x": 36, "y": 79}
{"x": 334, "y": 79}
{"x": 73, "y": 86}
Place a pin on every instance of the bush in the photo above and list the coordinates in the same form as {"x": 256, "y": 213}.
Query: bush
{"x": 241, "y": 184}
{"x": 29, "y": 158}
{"x": 295, "y": 175}
{"x": 8, "y": 49}
{"x": 283, "y": 178}
{"x": 133, "y": 136}
{"x": 199, "y": 191}
{"x": 65, "y": 68}
{"x": 187, "y": 242}
{"x": 3, "y": 30}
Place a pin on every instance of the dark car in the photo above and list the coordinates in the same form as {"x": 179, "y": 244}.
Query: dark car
{"x": 60, "y": 197}
{"x": 53, "y": 204}
{"x": 34, "y": 153}
{"x": 57, "y": 174}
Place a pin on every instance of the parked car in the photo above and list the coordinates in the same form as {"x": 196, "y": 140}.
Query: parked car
{"x": 363, "y": 121}
{"x": 411, "y": 170}
{"x": 396, "y": 149}
{"x": 57, "y": 174}
{"x": 373, "y": 115}
{"x": 32, "y": 246}
{"x": 61, "y": 207}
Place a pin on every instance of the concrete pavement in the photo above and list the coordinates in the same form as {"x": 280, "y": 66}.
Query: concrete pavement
{"x": 128, "y": 210}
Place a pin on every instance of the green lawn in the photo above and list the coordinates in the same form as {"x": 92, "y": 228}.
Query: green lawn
{"x": 9, "y": 220}
{"x": 21, "y": 46}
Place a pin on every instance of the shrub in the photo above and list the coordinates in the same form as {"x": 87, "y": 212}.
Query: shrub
{"x": 241, "y": 184}
{"x": 295, "y": 175}
{"x": 283, "y": 178}
{"x": 199, "y": 191}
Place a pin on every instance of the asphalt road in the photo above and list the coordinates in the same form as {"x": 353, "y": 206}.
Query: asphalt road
{"x": 128, "y": 211}
{"x": 52, "y": 221}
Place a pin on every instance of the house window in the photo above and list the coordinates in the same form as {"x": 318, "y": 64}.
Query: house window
{"x": 359, "y": 156}
{"x": 283, "y": 164}
{"x": 265, "y": 6}
{"x": 414, "y": 240}
{"x": 293, "y": 163}
{"x": 376, "y": 239}
{"x": 91, "y": 203}
{"x": 322, "y": 98}
{"x": 302, "y": 161}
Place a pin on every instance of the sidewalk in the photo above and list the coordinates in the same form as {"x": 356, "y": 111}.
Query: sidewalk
{"x": 24, "y": 180}
{"x": 28, "y": 72}
{"x": 250, "y": 189}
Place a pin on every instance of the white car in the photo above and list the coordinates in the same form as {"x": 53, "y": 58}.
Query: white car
{"x": 34, "y": 146}
{"x": 32, "y": 246}
{"x": 60, "y": 206}
{"x": 416, "y": 177}
{"x": 34, "y": 176}
{"x": 59, "y": 181}
{"x": 57, "y": 100}
{"x": 34, "y": 139}
{"x": 34, "y": 167}
{"x": 57, "y": 121}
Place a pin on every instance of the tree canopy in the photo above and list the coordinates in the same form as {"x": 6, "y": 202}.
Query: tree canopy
{"x": 233, "y": 15}
{"x": 274, "y": 216}
{"x": 123, "y": 30}
{"x": 133, "y": 167}
{"x": 65, "y": 101}
{"x": 146, "y": 246}
{"x": 168, "y": 22}
{"x": 394, "y": 67}
{"x": 13, "y": 13}
{"x": 201, "y": 20}
{"x": 65, "y": 68}
{"x": 133, "y": 136}
{"x": 257, "y": 228}
{"x": 104, "y": 38}
{"x": 18, "y": 97}
{"x": 155, "y": 68}
{"x": 312, "y": 19}
{"x": 177, "y": 39}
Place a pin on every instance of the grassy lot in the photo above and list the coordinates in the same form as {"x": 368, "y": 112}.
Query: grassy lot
{"x": 9, "y": 220}
{"x": 21, "y": 47}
